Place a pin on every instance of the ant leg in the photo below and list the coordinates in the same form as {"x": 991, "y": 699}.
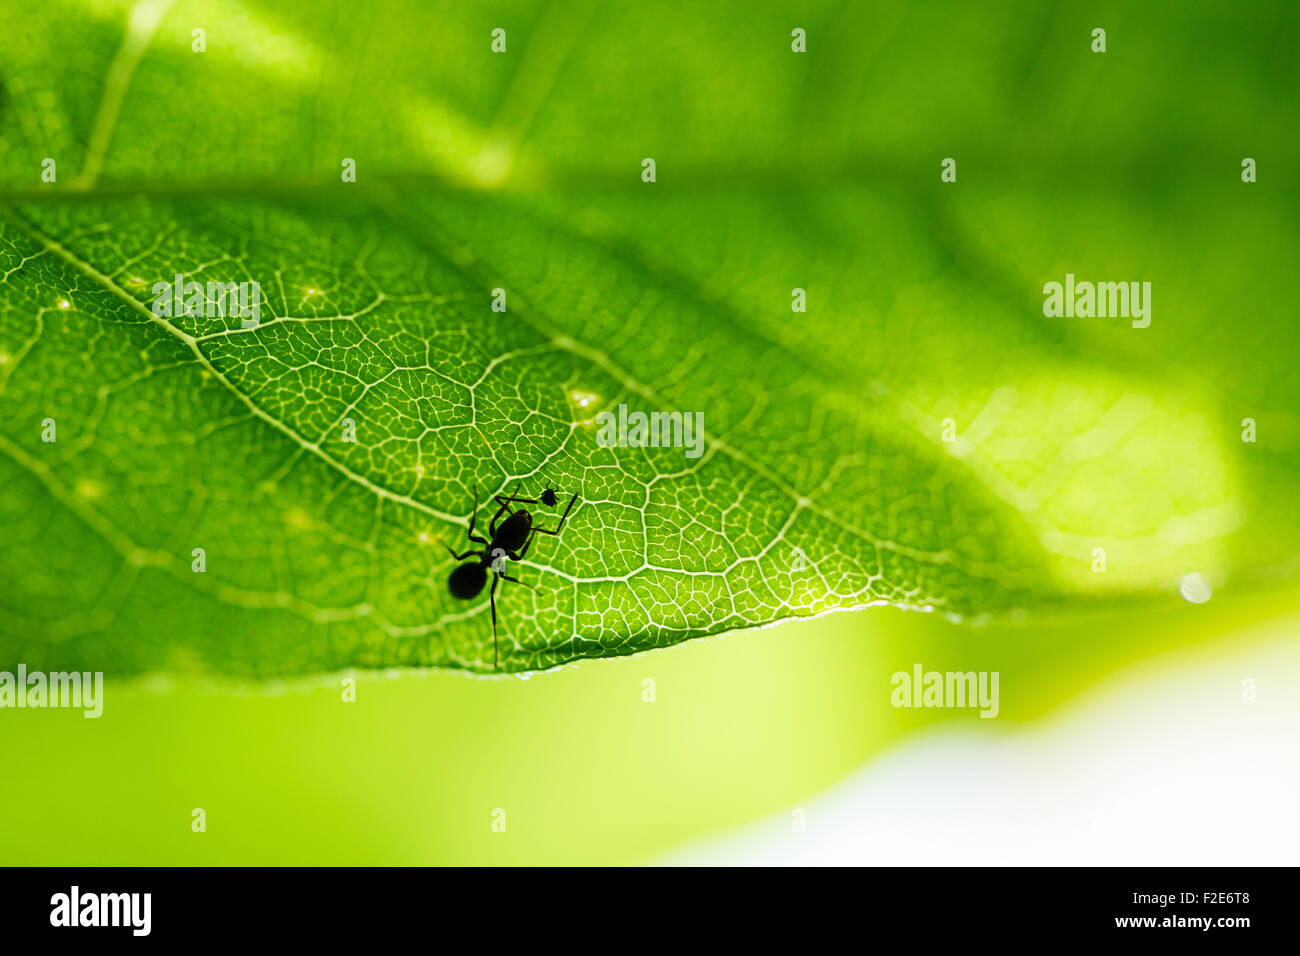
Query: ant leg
{"x": 503, "y": 501}
{"x": 460, "y": 557}
{"x": 492, "y": 528}
{"x": 528, "y": 543}
{"x": 472, "y": 517}
{"x": 492, "y": 596}
{"x": 531, "y": 587}
{"x": 560, "y": 526}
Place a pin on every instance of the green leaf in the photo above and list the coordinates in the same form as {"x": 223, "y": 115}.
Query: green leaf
{"x": 521, "y": 171}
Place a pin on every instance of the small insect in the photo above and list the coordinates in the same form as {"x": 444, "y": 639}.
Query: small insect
{"x": 509, "y": 541}
{"x": 547, "y": 496}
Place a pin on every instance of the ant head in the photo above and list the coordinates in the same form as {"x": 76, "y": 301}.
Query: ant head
{"x": 548, "y": 498}
{"x": 467, "y": 580}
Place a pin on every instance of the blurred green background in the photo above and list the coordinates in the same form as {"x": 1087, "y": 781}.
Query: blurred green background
{"x": 586, "y": 771}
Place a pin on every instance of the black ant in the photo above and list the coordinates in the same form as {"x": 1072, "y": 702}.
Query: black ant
{"x": 509, "y": 541}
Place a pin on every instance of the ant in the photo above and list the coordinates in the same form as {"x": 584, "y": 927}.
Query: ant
{"x": 509, "y": 541}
